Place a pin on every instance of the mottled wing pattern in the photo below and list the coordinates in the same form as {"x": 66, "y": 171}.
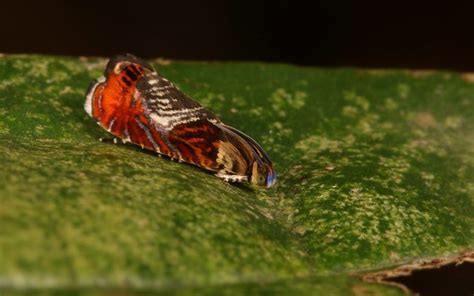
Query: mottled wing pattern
{"x": 167, "y": 100}
{"x": 167, "y": 106}
{"x": 194, "y": 133}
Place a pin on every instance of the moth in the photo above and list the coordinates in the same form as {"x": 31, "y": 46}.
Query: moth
{"x": 136, "y": 104}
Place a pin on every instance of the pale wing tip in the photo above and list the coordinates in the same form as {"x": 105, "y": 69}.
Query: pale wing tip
{"x": 271, "y": 178}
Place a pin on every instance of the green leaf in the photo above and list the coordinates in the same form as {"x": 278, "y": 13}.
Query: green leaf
{"x": 376, "y": 168}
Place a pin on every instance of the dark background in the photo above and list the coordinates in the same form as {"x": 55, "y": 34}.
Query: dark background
{"x": 324, "y": 33}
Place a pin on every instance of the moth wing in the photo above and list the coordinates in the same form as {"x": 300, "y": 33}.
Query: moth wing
{"x": 213, "y": 147}
{"x": 255, "y": 146}
{"x": 169, "y": 103}
{"x": 183, "y": 123}
{"x": 195, "y": 134}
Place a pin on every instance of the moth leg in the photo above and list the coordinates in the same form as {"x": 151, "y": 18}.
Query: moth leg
{"x": 231, "y": 178}
{"x": 113, "y": 140}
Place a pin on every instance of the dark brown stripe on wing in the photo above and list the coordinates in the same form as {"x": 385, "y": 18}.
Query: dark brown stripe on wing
{"x": 130, "y": 74}
{"x": 126, "y": 81}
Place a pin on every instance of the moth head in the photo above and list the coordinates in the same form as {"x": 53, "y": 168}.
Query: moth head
{"x": 90, "y": 94}
{"x": 262, "y": 174}
{"x": 119, "y": 62}
{"x": 115, "y": 67}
